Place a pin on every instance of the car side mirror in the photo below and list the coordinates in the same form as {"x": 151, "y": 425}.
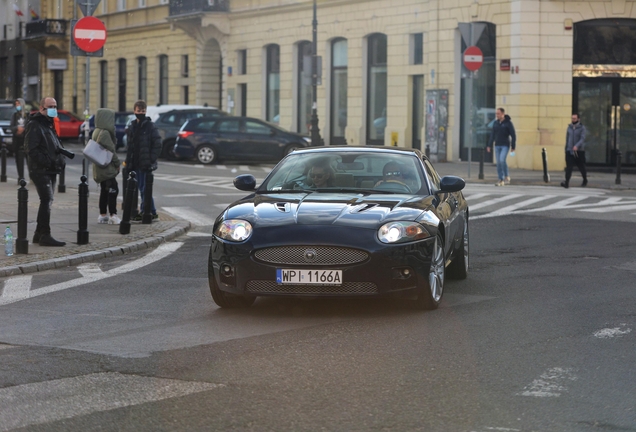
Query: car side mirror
{"x": 245, "y": 182}
{"x": 451, "y": 184}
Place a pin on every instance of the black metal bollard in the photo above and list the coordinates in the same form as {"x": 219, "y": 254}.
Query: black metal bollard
{"x": 3, "y": 169}
{"x": 619, "y": 157}
{"x": 131, "y": 192}
{"x": 124, "y": 186}
{"x": 544, "y": 156}
{"x": 427, "y": 150}
{"x": 135, "y": 201}
{"x": 146, "y": 217}
{"x": 481, "y": 163}
{"x": 82, "y": 233}
{"x": 22, "y": 243}
{"x": 61, "y": 187}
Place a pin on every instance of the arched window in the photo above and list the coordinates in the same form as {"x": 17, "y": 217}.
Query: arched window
{"x": 121, "y": 85}
{"x": 304, "y": 80}
{"x": 142, "y": 78}
{"x": 339, "y": 71}
{"x": 272, "y": 71}
{"x": 163, "y": 79}
{"x": 376, "y": 88}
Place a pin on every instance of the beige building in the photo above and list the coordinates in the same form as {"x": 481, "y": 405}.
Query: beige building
{"x": 392, "y": 70}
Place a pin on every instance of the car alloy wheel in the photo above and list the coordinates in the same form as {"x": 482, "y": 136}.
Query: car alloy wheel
{"x": 458, "y": 269}
{"x": 206, "y": 154}
{"x": 430, "y": 296}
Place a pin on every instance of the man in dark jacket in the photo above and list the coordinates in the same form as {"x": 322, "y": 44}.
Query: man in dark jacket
{"x": 575, "y": 150}
{"x": 18, "y": 123}
{"x": 504, "y": 136}
{"x": 144, "y": 147}
{"x": 45, "y": 161}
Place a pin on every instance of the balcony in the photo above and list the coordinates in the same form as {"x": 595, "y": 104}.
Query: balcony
{"x": 189, "y": 7}
{"x": 48, "y": 37}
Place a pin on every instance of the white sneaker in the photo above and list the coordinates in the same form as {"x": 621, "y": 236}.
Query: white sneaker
{"x": 114, "y": 220}
{"x": 500, "y": 183}
{"x": 507, "y": 180}
{"x": 102, "y": 219}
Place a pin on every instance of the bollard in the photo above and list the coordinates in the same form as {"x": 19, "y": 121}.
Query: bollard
{"x": 61, "y": 187}
{"x": 131, "y": 192}
{"x": 544, "y": 156}
{"x": 124, "y": 184}
{"x": 82, "y": 233}
{"x": 22, "y": 243}
{"x": 3, "y": 170}
{"x": 619, "y": 156}
{"x": 427, "y": 151}
{"x": 481, "y": 164}
{"x": 146, "y": 217}
{"x": 135, "y": 200}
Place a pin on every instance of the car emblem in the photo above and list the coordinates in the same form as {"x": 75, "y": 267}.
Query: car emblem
{"x": 310, "y": 255}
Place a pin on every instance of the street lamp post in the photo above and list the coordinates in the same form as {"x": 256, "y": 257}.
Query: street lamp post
{"x": 315, "y": 131}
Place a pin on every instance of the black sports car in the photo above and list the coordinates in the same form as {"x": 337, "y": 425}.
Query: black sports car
{"x": 342, "y": 221}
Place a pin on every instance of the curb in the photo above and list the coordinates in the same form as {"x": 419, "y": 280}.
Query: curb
{"x": 76, "y": 259}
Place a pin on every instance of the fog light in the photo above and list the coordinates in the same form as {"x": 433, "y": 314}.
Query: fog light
{"x": 406, "y": 272}
{"x": 226, "y": 270}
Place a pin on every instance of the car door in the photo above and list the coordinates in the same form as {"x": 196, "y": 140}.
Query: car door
{"x": 229, "y": 138}
{"x": 69, "y": 126}
{"x": 262, "y": 140}
{"x": 446, "y": 208}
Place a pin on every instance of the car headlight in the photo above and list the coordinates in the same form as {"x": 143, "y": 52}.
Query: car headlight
{"x": 400, "y": 232}
{"x": 236, "y": 230}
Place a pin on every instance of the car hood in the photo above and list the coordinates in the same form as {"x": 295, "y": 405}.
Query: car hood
{"x": 315, "y": 208}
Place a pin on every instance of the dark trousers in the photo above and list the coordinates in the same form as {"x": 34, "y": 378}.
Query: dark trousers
{"x": 19, "y": 156}
{"x": 109, "y": 189}
{"x": 141, "y": 184}
{"x": 571, "y": 160}
{"x": 44, "y": 184}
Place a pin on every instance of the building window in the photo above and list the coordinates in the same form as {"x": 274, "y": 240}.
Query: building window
{"x": 185, "y": 94}
{"x": 185, "y": 68}
{"x": 163, "y": 79}
{"x": 104, "y": 6}
{"x": 103, "y": 83}
{"x": 121, "y": 5}
{"x": 142, "y": 3}
{"x": 59, "y": 12}
{"x": 339, "y": 71}
{"x": 3, "y": 77}
{"x": 304, "y": 103}
{"x": 17, "y": 76}
{"x": 272, "y": 104}
{"x": 121, "y": 69}
{"x": 417, "y": 48}
{"x": 58, "y": 88}
{"x": 376, "y": 88}
{"x": 142, "y": 78}
{"x": 241, "y": 62}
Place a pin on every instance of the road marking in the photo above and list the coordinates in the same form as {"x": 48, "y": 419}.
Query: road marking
{"x": 221, "y": 206}
{"x": 511, "y": 208}
{"x": 50, "y": 401}
{"x": 89, "y": 269}
{"x": 550, "y": 383}
{"x": 608, "y": 333}
{"x": 610, "y": 208}
{"x": 185, "y": 195}
{"x": 161, "y": 252}
{"x": 494, "y": 201}
{"x": 476, "y": 196}
{"x": 16, "y": 288}
{"x": 186, "y": 213}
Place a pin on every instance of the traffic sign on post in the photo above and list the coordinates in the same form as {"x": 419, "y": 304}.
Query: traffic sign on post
{"x": 473, "y": 58}
{"x": 87, "y": 6}
{"x": 89, "y": 34}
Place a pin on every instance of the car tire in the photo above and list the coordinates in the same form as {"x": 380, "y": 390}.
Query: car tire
{"x": 223, "y": 299}
{"x": 167, "y": 151}
{"x": 290, "y": 148}
{"x": 430, "y": 294}
{"x": 458, "y": 269}
{"x": 206, "y": 154}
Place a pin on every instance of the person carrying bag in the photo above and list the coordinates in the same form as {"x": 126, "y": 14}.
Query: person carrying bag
{"x": 106, "y": 176}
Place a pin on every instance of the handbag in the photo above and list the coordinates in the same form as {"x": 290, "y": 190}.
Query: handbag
{"x": 97, "y": 154}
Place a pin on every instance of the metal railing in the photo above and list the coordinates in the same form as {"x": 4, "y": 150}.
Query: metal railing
{"x": 47, "y": 27}
{"x": 185, "y": 7}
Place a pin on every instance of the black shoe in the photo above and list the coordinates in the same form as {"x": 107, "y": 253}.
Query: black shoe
{"x": 47, "y": 240}
{"x": 36, "y": 237}
{"x": 584, "y": 183}
{"x": 137, "y": 218}
{"x": 565, "y": 184}
{"x": 155, "y": 216}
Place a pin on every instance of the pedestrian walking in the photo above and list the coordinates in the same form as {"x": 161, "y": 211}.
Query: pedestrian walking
{"x": 504, "y": 137}
{"x": 104, "y": 135}
{"x": 144, "y": 147}
{"x": 18, "y": 124}
{"x": 45, "y": 161}
{"x": 575, "y": 150}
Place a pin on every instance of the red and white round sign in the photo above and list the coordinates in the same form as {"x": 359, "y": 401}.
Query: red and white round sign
{"x": 89, "y": 34}
{"x": 473, "y": 58}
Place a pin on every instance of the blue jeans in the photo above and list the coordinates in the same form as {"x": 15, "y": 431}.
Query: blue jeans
{"x": 141, "y": 184}
{"x": 501, "y": 152}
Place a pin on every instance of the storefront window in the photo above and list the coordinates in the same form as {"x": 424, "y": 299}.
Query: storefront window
{"x": 339, "y": 71}
{"x": 376, "y": 91}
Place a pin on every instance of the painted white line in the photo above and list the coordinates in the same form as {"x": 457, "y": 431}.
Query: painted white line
{"x": 563, "y": 204}
{"x": 198, "y": 234}
{"x": 494, "y": 201}
{"x": 511, "y": 209}
{"x": 238, "y": 192}
{"x": 221, "y": 206}
{"x": 608, "y": 333}
{"x": 49, "y": 401}
{"x": 244, "y": 168}
{"x": 89, "y": 269}
{"x": 16, "y": 288}
{"x": 5, "y": 346}
{"x": 476, "y": 196}
{"x": 550, "y": 383}
{"x": 222, "y": 167}
{"x": 610, "y": 208}
{"x": 267, "y": 169}
{"x": 185, "y": 195}
{"x": 186, "y": 213}
{"x": 161, "y": 252}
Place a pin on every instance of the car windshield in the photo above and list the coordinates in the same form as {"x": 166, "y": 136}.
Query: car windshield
{"x": 6, "y": 112}
{"x": 347, "y": 171}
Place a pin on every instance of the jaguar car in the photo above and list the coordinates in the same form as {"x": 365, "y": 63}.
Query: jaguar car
{"x": 342, "y": 222}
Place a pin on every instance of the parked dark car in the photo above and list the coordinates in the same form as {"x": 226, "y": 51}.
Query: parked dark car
{"x": 121, "y": 118}
{"x": 6, "y": 135}
{"x": 210, "y": 140}
{"x": 342, "y": 222}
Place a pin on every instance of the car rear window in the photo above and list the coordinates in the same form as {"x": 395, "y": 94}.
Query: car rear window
{"x": 6, "y": 112}
{"x": 200, "y": 126}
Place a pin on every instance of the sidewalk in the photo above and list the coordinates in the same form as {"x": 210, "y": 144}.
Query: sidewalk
{"x": 105, "y": 240}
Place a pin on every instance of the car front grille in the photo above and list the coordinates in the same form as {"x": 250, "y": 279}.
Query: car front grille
{"x": 271, "y": 287}
{"x": 311, "y": 255}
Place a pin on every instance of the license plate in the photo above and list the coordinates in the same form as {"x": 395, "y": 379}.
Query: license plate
{"x": 308, "y": 277}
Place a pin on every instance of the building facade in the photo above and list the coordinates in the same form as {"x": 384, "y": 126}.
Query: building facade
{"x": 392, "y": 72}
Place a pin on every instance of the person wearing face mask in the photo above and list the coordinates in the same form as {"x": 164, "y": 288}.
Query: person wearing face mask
{"x": 18, "y": 123}
{"x": 575, "y": 150}
{"x": 144, "y": 147}
{"x": 45, "y": 161}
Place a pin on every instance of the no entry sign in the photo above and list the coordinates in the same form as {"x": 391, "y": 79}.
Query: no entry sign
{"x": 473, "y": 58}
{"x": 89, "y": 34}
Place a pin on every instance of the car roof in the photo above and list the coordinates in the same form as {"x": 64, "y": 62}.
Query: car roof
{"x": 361, "y": 149}
{"x": 154, "y": 111}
